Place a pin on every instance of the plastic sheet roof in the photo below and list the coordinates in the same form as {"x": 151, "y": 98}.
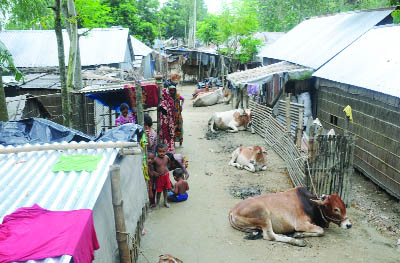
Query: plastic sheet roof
{"x": 27, "y": 179}
{"x": 262, "y": 74}
{"x": 372, "y": 62}
{"x": 38, "y": 48}
{"x": 315, "y": 41}
{"x": 139, "y": 48}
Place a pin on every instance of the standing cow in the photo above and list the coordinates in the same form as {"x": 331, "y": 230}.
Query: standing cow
{"x": 253, "y": 159}
{"x": 232, "y": 121}
{"x": 295, "y": 211}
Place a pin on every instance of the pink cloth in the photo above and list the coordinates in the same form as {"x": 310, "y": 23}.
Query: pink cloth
{"x": 33, "y": 233}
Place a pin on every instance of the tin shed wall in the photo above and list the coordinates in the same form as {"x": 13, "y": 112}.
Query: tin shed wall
{"x": 376, "y": 126}
{"x": 134, "y": 196}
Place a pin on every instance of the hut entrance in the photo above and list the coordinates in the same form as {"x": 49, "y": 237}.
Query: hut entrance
{"x": 331, "y": 165}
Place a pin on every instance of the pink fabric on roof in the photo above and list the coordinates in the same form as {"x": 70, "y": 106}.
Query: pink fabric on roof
{"x": 33, "y": 233}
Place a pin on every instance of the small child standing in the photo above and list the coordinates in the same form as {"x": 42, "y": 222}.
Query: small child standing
{"x": 153, "y": 178}
{"x": 179, "y": 193}
{"x": 163, "y": 182}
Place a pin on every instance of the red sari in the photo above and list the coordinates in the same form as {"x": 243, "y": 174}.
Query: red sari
{"x": 167, "y": 121}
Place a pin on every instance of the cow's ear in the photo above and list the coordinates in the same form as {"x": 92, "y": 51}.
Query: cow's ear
{"x": 323, "y": 197}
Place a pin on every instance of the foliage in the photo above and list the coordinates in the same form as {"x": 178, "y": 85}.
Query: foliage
{"x": 172, "y": 19}
{"x": 248, "y": 48}
{"x": 93, "y": 14}
{"x": 281, "y": 16}
{"x": 207, "y": 30}
{"x": 7, "y": 64}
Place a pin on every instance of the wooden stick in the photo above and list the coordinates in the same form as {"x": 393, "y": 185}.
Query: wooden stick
{"x": 288, "y": 113}
{"x": 122, "y": 238}
{"x": 139, "y": 104}
{"x": 300, "y": 130}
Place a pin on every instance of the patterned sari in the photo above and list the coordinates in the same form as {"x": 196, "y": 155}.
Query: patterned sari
{"x": 167, "y": 121}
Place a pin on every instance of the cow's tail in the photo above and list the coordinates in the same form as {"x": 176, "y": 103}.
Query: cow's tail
{"x": 253, "y": 233}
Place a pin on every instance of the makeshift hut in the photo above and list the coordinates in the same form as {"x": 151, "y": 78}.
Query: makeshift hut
{"x": 41, "y": 77}
{"x": 366, "y": 76}
{"x": 55, "y": 177}
{"x": 197, "y": 63}
{"x": 143, "y": 58}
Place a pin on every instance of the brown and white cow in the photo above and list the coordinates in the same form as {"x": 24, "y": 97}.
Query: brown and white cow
{"x": 209, "y": 98}
{"x": 233, "y": 120}
{"x": 294, "y": 211}
{"x": 253, "y": 159}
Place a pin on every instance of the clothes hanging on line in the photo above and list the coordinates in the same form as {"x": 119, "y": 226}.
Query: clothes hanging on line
{"x": 34, "y": 233}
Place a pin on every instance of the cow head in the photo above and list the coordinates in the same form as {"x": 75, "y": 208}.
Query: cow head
{"x": 250, "y": 122}
{"x": 169, "y": 259}
{"x": 334, "y": 210}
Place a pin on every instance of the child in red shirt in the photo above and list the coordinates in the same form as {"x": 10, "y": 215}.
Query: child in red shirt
{"x": 163, "y": 183}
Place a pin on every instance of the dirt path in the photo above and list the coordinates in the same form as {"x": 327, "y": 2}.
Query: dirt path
{"x": 198, "y": 230}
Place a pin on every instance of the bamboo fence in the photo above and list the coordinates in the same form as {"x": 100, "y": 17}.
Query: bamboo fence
{"x": 281, "y": 141}
{"x": 329, "y": 164}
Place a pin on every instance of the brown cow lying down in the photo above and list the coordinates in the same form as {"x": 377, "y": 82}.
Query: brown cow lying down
{"x": 196, "y": 92}
{"x": 252, "y": 159}
{"x": 294, "y": 211}
{"x": 167, "y": 258}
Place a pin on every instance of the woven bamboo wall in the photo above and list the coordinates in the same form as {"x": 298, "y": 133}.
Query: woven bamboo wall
{"x": 376, "y": 126}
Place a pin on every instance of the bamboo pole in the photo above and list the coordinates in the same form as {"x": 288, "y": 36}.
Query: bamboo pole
{"x": 69, "y": 146}
{"x": 122, "y": 237}
{"x": 139, "y": 104}
{"x": 159, "y": 85}
{"x": 299, "y": 129}
{"x": 288, "y": 112}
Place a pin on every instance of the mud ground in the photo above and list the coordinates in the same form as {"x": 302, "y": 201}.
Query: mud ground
{"x": 198, "y": 230}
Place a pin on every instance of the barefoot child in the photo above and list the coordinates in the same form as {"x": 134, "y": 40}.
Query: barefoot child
{"x": 163, "y": 182}
{"x": 179, "y": 194}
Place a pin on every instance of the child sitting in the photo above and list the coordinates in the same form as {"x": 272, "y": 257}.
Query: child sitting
{"x": 161, "y": 171}
{"x": 179, "y": 194}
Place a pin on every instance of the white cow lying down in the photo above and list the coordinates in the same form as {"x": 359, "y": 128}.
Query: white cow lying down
{"x": 209, "y": 98}
{"x": 233, "y": 120}
{"x": 253, "y": 159}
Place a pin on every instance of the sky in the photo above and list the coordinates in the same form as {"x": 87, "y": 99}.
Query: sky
{"x": 214, "y": 6}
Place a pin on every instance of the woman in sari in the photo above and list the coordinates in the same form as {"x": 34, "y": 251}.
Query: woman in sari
{"x": 167, "y": 121}
{"x": 178, "y": 114}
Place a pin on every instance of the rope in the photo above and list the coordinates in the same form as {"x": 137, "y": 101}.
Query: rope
{"x": 133, "y": 244}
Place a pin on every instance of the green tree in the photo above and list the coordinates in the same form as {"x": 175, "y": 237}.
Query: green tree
{"x": 7, "y": 67}
{"x": 207, "y": 30}
{"x": 236, "y": 25}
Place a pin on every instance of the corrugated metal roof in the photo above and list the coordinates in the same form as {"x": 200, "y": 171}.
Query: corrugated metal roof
{"x": 38, "y": 48}
{"x": 315, "y": 41}
{"x": 139, "y": 48}
{"x": 371, "y": 62}
{"x": 268, "y": 37}
{"x": 27, "y": 179}
{"x": 257, "y": 74}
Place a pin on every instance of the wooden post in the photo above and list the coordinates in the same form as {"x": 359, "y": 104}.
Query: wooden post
{"x": 288, "y": 113}
{"x": 110, "y": 117}
{"x": 122, "y": 237}
{"x": 199, "y": 61}
{"x": 311, "y": 144}
{"x": 160, "y": 86}
{"x": 346, "y": 125}
{"x": 139, "y": 104}
{"x": 300, "y": 129}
